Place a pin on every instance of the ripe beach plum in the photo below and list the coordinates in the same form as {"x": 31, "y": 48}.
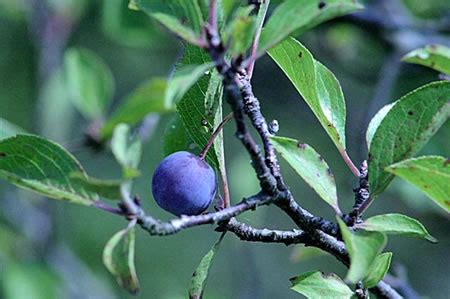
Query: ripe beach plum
{"x": 184, "y": 184}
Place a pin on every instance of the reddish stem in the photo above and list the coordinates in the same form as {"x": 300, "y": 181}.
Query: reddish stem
{"x": 253, "y": 55}
{"x": 213, "y": 15}
{"x": 350, "y": 163}
{"x": 214, "y": 135}
{"x": 226, "y": 191}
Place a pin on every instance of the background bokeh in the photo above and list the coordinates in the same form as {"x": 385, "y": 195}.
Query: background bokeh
{"x": 50, "y": 249}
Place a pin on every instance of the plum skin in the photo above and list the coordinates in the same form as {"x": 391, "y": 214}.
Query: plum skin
{"x": 184, "y": 184}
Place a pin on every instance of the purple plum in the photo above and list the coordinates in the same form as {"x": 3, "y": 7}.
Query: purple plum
{"x": 184, "y": 184}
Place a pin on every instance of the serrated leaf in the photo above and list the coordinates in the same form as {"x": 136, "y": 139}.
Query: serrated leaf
{"x": 8, "y": 129}
{"x": 39, "y": 165}
{"x": 317, "y": 86}
{"x": 198, "y": 281}
{"x": 298, "y": 16}
{"x": 436, "y": 57}
{"x": 118, "y": 257}
{"x": 201, "y": 107}
{"x": 239, "y": 33}
{"x": 105, "y": 188}
{"x": 316, "y": 284}
{"x": 183, "y": 18}
{"x": 397, "y": 224}
{"x": 184, "y": 77}
{"x": 405, "y": 129}
{"x": 127, "y": 150}
{"x": 378, "y": 270}
{"x": 149, "y": 97}
{"x": 175, "y": 137}
{"x": 376, "y": 121}
{"x": 89, "y": 82}
{"x": 363, "y": 248}
{"x": 431, "y": 174}
{"x": 310, "y": 166}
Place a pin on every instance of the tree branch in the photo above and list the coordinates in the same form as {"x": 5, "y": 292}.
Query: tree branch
{"x": 157, "y": 227}
{"x": 246, "y": 232}
{"x": 362, "y": 195}
{"x": 253, "y": 111}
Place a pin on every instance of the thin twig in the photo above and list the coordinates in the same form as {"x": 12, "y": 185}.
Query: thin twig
{"x": 261, "y": 17}
{"x": 212, "y": 15}
{"x": 253, "y": 110}
{"x": 349, "y": 163}
{"x": 225, "y": 187}
{"x": 216, "y": 132}
{"x": 223, "y": 175}
{"x": 104, "y": 207}
{"x": 128, "y": 203}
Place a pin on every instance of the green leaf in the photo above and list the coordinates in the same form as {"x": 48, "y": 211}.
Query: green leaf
{"x": 184, "y": 77}
{"x": 175, "y": 137}
{"x": 240, "y": 32}
{"x": 363, "y": 248}
{"x": 316, "y": 284}
{"x": 310, "y": 166}
{"x": 299, "y": 16}
{"x": 436, "y": 57}
{"x": 183, "y": 18}
{"x": 89, "y": 82}
{"x": 405, "y": 129}
{"x": 431, "y": 174}
{"x": 198, "y": 281}
{"x": 376, "y": 121}
{"x": 317, "y": 86}
{"x": 127, "y": 150}
{"x": 378, "y": 270}
{"x": 148, "y": 97}
{"x": 39, "y": 165}
{"x": 8, "y": 129}
{"x": 128, "y": 26}
{"x": 118, "y": 257}
{"x": 397, "y": 224}
{"x": 104, "y": 188}
{"x": 200, "y": 109}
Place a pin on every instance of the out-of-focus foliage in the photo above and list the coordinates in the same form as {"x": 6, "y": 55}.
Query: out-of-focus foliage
{"x": 137, "y": 48}
{"x": 428, "y": 9}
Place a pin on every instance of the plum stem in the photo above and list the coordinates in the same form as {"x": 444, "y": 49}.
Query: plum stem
{"x": 216, "y": 132}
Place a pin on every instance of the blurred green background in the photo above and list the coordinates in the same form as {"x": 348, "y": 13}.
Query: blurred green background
{"x": 50, "y": 249}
